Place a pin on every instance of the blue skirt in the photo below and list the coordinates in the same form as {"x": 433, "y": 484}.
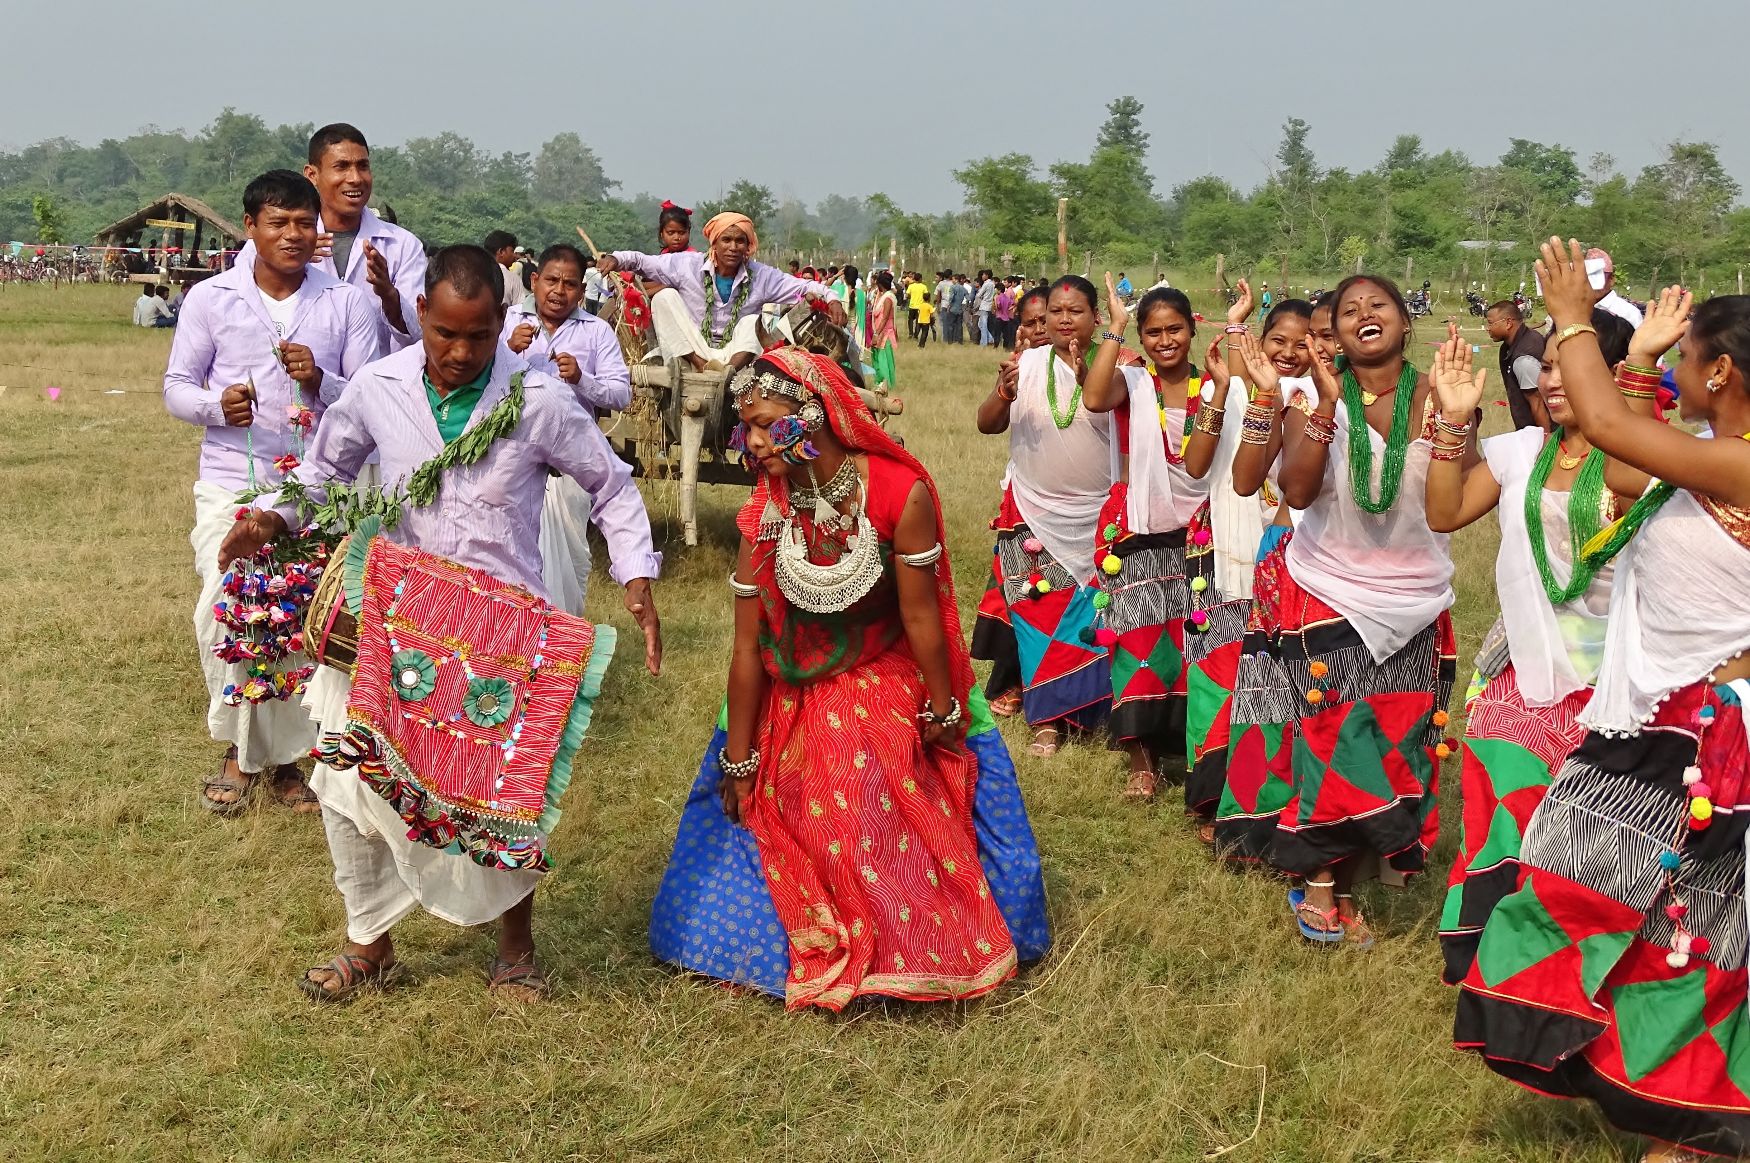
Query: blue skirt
{"x": 714, "y": 915}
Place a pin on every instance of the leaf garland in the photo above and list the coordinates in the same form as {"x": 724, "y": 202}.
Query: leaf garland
{"x": 469, "y": 447}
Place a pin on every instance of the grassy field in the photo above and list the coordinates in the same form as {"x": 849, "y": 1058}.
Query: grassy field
{"x": 147, "y": 1000}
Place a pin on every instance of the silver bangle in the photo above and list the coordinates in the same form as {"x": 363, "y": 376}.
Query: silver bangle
{"x": 742, "y": 589}
{"x": 950, "y": 719}
{"x": 922, "y": 560}
{"x": 745, "y": 769}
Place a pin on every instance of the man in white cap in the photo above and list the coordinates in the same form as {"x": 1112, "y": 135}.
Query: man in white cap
{"x": 1598, "y": 262}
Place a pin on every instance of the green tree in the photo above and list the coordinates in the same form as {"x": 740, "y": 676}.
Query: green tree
{"x": 566, "y": 169}
{"x": 744, "y": 197}
{"x": 50, "y": 222}
{"x": 1405, "y": 156}
{"x": 1010, "y": 203}
{"x": 1123, "y": 127}
{"x": 1296, "y": 166}
{"x": 1551, "y": 168}
{"x": 237, "y": 146}
{"x": 1111, "y": 198}
{"x": 447, "y": 162}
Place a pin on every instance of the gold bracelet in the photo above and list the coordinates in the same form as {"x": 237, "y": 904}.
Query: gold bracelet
{"x": 1637, "y": 394}
{"x": 1572, "y": 330}
{"x": 1638, "y": 370}
{"x": 1209, "y": 420}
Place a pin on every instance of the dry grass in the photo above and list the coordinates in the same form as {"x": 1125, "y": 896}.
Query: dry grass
{"x": 147, "y": 1003}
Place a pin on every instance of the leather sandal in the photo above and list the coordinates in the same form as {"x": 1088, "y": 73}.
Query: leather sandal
{"x": 1141, "y": 787}
{"x": 1045, "y": 742}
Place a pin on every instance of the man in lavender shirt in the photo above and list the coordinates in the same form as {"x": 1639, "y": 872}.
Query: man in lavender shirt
{"x": 486, "y": 515}
{"x": 557, "y": 337}
{"x": 257, "y": 344}
{"x": 721, "y": 291}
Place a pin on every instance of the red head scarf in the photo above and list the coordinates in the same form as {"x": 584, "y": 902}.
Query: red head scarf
{"x": 856, "y": 429}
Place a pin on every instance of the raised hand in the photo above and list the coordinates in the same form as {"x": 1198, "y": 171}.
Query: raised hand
{"x": 1215, "y": 369}
{"x": 1324, "y": 376}
{"x": 1115, "y": 306}
{"x": 1242, "y": 308}
{"x": 324, "y": 247}
{"x": 1667, "y": 321}
{"x": 300, "y": 364}
{"x": 1074, "y": 356}
{"x": 606, "y": 263}
{"x": 1568, "y": 293}
{"x": 521, "y": 338}
{"x": 1456, "y": 389}
{"x": 1264, "y": 376}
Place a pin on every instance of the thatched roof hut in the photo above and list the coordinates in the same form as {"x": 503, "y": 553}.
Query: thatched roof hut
{"x": 192, "y": 213}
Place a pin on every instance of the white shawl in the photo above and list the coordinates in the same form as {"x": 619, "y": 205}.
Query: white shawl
{"x": 1060, "y": 477}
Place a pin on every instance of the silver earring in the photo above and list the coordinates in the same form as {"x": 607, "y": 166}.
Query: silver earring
{"x": 1713, "y": 385}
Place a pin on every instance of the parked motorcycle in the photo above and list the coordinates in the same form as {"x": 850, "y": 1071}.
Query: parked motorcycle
{"x": 1477, "y": 306}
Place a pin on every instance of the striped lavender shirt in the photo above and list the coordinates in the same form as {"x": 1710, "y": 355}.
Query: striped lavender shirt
{"x": 605, "y": 383}
{"x": 488, "y": 514}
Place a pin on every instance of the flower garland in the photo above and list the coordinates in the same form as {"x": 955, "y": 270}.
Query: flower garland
{"x": 735, "y": 308}
{"x": 1583, "y": 520}
{"x": 469, "y": 447}
{"x": 1397, "y": 443}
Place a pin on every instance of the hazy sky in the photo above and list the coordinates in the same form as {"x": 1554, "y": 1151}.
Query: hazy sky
{"x": 681, "y": 99}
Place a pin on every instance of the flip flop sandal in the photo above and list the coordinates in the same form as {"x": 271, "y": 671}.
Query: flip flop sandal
{"x": 222, "y": 781}
{"x": 1332, "y": 932}
{"x": 1045, "y": 743}
{"x": 1006, "y": 705}
{"x": 352, "y": 972}
{"x": 1141, "y": 788}
{"x": 1356, "y": 933}
{"x": 291, "y": 790}
{"x": 521, "y": 974}
{"x": 1206, "y": 835}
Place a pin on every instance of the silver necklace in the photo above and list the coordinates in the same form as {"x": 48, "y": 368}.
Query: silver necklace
{"x": 836, "y": 586}
{"x": 825, "y": 499}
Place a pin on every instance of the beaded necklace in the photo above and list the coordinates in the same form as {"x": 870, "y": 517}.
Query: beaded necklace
{"x": 1061, "y": 419}
{"x": 1193, "y": 401}
{"x": 1608, "y": 542}
{"x": 735, "y": 306}
{"x": 1397, "y": 443}
{"x": 1583, "y": 519}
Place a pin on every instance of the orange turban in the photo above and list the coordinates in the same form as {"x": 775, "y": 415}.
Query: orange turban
{"x": 727, "y": 219}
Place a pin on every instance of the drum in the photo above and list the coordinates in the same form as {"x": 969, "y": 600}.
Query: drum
{"x": 331, "y": 635}
{"x": 811, "y": 329}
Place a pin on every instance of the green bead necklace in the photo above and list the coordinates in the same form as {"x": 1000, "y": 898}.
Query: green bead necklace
{"x": 1584, "y": 518}
{"x": 1061, "y": 419}
{"x": 1397, "y": 444}
{"x": 735, "y": 307}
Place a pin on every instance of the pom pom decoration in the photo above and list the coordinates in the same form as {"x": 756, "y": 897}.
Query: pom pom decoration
{"x": 1111, "y": 564}
{"x": 1691, "y": 776}
{"x": 1677, "y": 911}
{"x": 1441, "y": 718}
{"x": 1198, "y": 619}
{"x": 1676, "y": 960}
{"x": 1670, "y": 861}
{"x": 1033, "y": 545}
{"x": 1701, "y": 791}
{"x": 1042, "y": 586}
{"x": 1315, "y": 696}
{"x": 1111, "y": 531}
{"x": 1318, "y": 669}
{"x": 1086, "y": 634}
{"x": 1681, "y": 942}
{"x": 1442, "y": 751}
{"x": 1199, "y": 584}
{"x": 1033, "y": 579}
{"x": 1102, "y": 600}
{"x": 1106, "y": 636}
{"x": 1701, "y": 809}
{"x": 1201, "y": 537}
{"x": 1705, "y": 715}
{"x": 1700, "y": 946}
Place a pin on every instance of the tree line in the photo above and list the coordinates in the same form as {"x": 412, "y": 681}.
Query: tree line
{"x": 1678, "y": 218}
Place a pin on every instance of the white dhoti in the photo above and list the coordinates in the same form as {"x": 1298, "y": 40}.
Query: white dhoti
{"x": 677, "y": 332}
{"x": 565, "y": 556}
{"x": 266, "y": 734}
{"x": 381, "y": 874}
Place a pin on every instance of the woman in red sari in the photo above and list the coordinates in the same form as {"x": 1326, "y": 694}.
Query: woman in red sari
{"x": 886, "y": 862}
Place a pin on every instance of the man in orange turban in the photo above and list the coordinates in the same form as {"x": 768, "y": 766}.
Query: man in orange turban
{"x": 710, "y": 305}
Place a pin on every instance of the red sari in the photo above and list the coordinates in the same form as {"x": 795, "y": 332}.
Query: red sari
{"x": 865, "y": 836}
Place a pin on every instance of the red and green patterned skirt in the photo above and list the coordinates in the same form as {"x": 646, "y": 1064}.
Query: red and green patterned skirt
{"x": 1212, "y": 660}
{"x": 1036, "y": 640}
{"x": 1363, "y": 752}
{"x": 1508, "y": 754}
{"x": 1149, "y": 598}
{"x": 1258, "y": 779}
{"x": 1577, "y": 989}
